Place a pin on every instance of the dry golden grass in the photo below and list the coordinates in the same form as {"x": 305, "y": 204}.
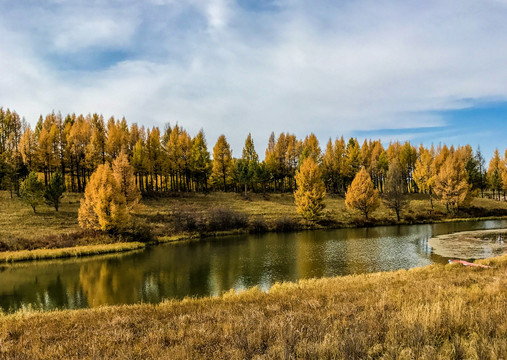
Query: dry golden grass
{"x": 17, "y": 220}
{"x": 76, "y": 251}
{"x": 273, "y": 207}
{"x": 21, "y": 229}
{"x": 437, "y": 312}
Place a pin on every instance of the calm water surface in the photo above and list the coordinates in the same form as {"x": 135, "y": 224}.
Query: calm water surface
{"x": 212, "y": 267}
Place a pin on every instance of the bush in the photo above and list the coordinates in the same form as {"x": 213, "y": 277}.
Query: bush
{"x": 258, "y": 225}
{"x": 285, "y": 224}
{"x": 139, "y": 232}
{"x": 186, "y": 219}
{"x": 225, "y": 219}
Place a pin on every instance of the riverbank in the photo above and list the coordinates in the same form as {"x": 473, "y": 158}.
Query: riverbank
{"x": 478, "y": 244}
{"x": 194, "y": 216}
{"x": 76, "y": 251}
{"x": 438, "y": 311}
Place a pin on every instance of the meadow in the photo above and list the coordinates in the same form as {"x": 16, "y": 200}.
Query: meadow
{"x": 183, "y": 215}
{"x": 437, "y": 312}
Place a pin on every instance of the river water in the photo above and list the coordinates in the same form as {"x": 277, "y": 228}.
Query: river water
{"x": 213, "y": 266}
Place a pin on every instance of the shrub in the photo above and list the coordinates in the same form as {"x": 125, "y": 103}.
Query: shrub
{"x": 258, "y": 225}
{"x": 186, "y": 219}
{"x": 285, "y": 224}
{"x": 225, "y": 219}
{"x": 138, "y": 232}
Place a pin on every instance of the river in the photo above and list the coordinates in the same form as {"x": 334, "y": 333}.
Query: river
{"x": 210, "y": 267}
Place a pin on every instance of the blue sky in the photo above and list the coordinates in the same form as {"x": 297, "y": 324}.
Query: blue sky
{"x": 431, "y": 71}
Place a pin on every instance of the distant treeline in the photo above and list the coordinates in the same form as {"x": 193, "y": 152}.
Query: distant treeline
{"x": 172, "y": 160}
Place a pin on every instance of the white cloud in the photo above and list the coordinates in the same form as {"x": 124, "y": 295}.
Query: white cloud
{"x": 218, "y": 12}
{"x": 104, "y": 33}
{"x": 332, "y": 68}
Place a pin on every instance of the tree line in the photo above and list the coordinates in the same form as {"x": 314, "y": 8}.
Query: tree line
{"x": 169, "y": 160}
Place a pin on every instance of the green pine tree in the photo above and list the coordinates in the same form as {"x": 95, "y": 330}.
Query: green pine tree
{"x": 32, "y": 190}
{"x": 55, "y": 189}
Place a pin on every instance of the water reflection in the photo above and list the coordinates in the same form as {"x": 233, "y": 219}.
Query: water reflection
{"x": 212, "y": 267}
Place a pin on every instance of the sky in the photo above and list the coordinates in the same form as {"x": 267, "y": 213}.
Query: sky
{"x": 423, "y": 71}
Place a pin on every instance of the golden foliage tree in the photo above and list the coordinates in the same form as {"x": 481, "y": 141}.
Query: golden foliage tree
{"x": 103, "y": 207}
{"x": 311, "y": 190}
{"x": 27, "y": 147}
{"x": 310, "y": 148}
{"x": 328, "y": 165}
{"x": 423, "y": 174}
{"x": 123, "y": 172}
{"x": 200, "y": 161}
{"x": 451, "y": 182}
{"x": 495, "y": 174}
{"x": 362, "y": 195}
{"x": 352, "y": 160}
{"x": 222, "y": 161}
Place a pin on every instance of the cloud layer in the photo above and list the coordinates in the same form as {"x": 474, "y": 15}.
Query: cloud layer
{"x": 255, "y": 66}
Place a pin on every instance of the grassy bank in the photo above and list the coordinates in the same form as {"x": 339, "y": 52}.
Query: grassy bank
{"x": 183, "y": 216}
{"x": 76, "y": 251}
{"x": 448, "y": 312}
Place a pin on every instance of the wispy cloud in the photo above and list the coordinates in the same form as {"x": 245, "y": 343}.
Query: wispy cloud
{"x": 237, "y": 67}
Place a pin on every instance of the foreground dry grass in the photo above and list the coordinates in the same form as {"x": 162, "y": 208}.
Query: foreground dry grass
{"x": 447, "y": 312}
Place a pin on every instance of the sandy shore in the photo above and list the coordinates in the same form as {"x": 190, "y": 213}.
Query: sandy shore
{"x": 478, "y": 244}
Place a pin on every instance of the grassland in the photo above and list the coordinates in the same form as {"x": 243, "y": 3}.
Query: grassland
{"x": 190, "y": 215}
{"x": 437, "y": 312}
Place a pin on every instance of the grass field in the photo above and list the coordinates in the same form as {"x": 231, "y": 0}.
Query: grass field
{"x": 21, "y": 229}
{"x": 437, "y": 312}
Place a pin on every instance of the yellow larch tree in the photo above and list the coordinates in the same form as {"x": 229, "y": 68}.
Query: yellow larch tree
{"x": 310, "y": 148}
{"x": 362, "y": 195}
{"x": 96, "y": 148}
{"x": 495, "y": 174}
{"x": 423, "y": 175}
{"x": 123, "y": 172}
{"x": 352, "y": 160}
{"x": 103, "y": 207}
{"x": 327, "y": 165}
{"x": 451, "y": 182}
{"x": 222, "y": 162}
{"x": 27, "y": 147}
{"x": 504, "y": 174}
{"x": 311, "y": 190}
